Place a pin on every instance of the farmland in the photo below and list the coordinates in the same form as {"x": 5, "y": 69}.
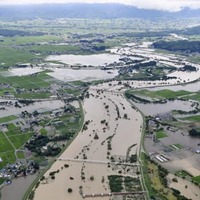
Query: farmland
{"x": 44, "y": 113}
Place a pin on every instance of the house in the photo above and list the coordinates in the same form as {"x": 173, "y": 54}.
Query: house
{"x": 197, "y": 151}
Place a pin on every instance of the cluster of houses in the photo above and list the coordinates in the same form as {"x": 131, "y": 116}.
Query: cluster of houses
{"x": 4, "y": 104}
{"x": 17, "y": 170}
{"x": 20, "y": 169}
{"x": 4, "y": 85}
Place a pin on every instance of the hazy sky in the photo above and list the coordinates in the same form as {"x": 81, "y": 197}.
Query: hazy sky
{"x": 172, "y": 5}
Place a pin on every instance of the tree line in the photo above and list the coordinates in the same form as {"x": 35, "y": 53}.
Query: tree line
{"x": 180, "y": 45}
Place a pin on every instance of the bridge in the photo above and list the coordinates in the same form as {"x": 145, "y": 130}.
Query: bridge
{"x": 113, "y": 194}
{"x": 98, "y": 162}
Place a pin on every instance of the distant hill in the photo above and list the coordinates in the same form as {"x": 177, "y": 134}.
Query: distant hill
{"x": 71, "y": 10}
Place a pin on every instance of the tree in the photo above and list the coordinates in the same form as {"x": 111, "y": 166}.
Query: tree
{"x": 133, "y": 158}
{"x": 194, "y": 133}
{"x": 91, "y": 178}
{"x": 70, "y": 190}
{"x": 96, "y": 137}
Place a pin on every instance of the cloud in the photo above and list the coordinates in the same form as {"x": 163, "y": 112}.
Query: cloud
{"x": 169, "y": 5}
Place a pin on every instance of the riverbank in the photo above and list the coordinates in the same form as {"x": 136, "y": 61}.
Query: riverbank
{"x": 98, "y": 142}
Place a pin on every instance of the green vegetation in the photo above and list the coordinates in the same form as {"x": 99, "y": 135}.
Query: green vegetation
{"x": 155, "y": 180}
{"x": 132, "y": 184}
{"x": 115, "y": 183}
{"x": 7, "y": 119}
{"x": 193, "y": 96}
{"x": 183, "y": 174}
{"x": 35, "y": 44}
{"x": 194, "y": 133}
{"x": 43, "y": 131}
{"x": 146, "y": 177}
{"x": 11, "y": 56}
{"x": 32, "y": 95}
{"x": 180, "y": 45}
{"x": 46, "y": 50}
{"x": 2, "y": 180}
{"x": 30, "y": 191}
{"x": 161, "y": 94}
{"x": 28, "y": 87}
{"x": 176, "y": 146}
{"x": 5, "y": 145}
{"x": 160, "y": 134}
{"x": 20, "y": 155}
{"x": 21, "y": 139}
{"x": 120, "y": 183}
{"x": 67, "y": 123}
{"x": 27, "y": 40}
{"x": 194, "y": 58}
{"x": 196, "y": 179}
{"x": 66, "y": 126}
{"x": 195, "y": 118}
{"x": 77, "y": 83}
{"x": 13, "y": 130}
{"x": 6, "y": 90}
{"x": 8, "y": 158}
{"x": 64, "y": 37}
{"x": 74, "y": 91}
{"x": 10, "y": 141}
{"x": 29, "y": 82}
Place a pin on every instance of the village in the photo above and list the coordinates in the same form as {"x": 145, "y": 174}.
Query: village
{"x": 32, "y": 130}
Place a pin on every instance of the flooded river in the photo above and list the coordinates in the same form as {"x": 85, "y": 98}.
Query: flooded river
{"x": 90, "y": 152}
{"x": 112, "y": 126}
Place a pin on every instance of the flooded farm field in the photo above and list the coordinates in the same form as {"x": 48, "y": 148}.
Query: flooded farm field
{"x": 94, "y": 60}
{"x": 24, "y": 71}
{"x": 10, "y": 109}
{"x": 154, "y": 109}
{"x": 112, "y": 129}
{"x": 68, "y": 75}
{"x": 191, "y": 87}
{"x": 187, "y": 188}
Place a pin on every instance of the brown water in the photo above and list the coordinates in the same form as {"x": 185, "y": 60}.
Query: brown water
{"x": 17, "y": 189}
{"x": 192, "y": 87}
{"x": 94, "y": 60}
{"x": 67, "y": 75}
{"x": 154, "y": 109}
{"x": 125, "y": 132}
{"x": 44, "y": 105}
{"x": 191, "y": 191}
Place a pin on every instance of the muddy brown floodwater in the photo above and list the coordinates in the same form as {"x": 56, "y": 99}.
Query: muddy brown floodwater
{"x": 90, "y": 175}
{"x": 17, "y": 189}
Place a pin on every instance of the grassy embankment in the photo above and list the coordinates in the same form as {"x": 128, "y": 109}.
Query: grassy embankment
{"x": 153, "y": 177}
{"x": 162, "y": 94}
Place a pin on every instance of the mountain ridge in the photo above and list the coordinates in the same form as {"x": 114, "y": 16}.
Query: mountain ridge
{"x": 85, "y": 10}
